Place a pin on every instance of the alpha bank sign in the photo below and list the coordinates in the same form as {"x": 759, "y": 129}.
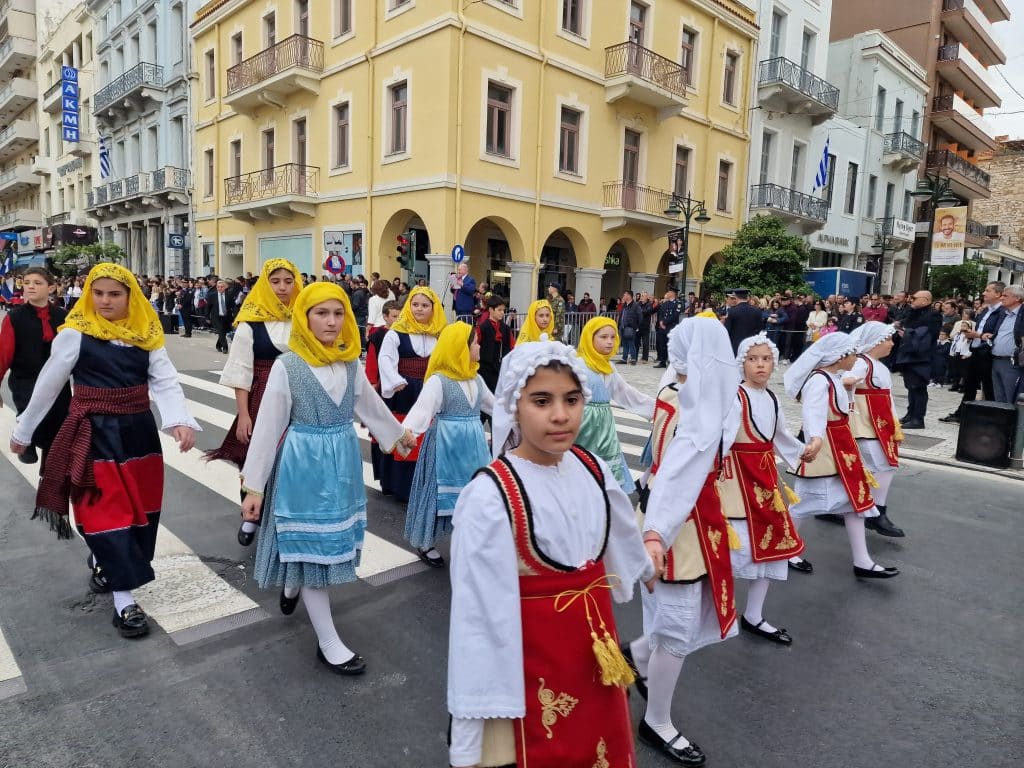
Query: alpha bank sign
{"x": 69, "y": 106}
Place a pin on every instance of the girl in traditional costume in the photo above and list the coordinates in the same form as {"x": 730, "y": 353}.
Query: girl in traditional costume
{"x": 454, "y": 445}
{"x": 304, "y": 467}
{"x": 537, "y": 326}
{"x": 106, "y": 460}
{"x": 874, "y": 421}
{"x": 543, "y": 539}
{"x": 599, "y": 341}
{"x": 836, "y": 482}
{"x": 693, "y": 604}
{"x": 753, "y": 497}
{"x": 263, "y": 327}
{"x": 402, "y": 363}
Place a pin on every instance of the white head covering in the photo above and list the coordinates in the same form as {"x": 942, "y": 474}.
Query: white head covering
{"x": 829, "y": 349}
{"x": 516, "y": 369}
{"x": 699, "y": 349}
{"x": 755, "y": 341}
{"x": 871, "y": 334}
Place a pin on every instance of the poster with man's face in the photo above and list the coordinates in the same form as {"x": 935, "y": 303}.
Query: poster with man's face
{"x": 949, "y": 236}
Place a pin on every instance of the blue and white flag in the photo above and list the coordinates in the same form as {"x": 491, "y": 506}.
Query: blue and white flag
{"x": 821, "y": 180}
{"x": 104, "y": 159}
{"x": 8, "y": 264}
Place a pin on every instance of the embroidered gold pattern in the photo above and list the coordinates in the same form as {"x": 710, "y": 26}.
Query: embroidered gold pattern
{"x": 723, "y": 603}
{"x": 763, "y": 495}
{"x": 602, "y": 750}
{"x": 766, "y": 539}
{"x": 881, "y": 423}
{"x": 552, "y": 706}
{"x": 787, "y": 541}
{"x": 862, "y": 492}
{"x": 849, "y": 459}
{"x": 714, "y": 537}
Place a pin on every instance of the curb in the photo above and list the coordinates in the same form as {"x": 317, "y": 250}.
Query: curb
{"x": 1012, "y": 474}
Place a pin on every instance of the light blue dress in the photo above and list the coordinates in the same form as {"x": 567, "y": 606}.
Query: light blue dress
{"x": 598, "y": 433}
{"x": 453, "y": 449}
{"x": 314, "y": 511}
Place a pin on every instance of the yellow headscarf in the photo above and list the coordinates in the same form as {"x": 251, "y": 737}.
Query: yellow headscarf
{"x": 406, "y": 323}
{"x": 594, "y": 359}
{"x": 302, "y": 341}
{"x": 262, "y": 303}
{"x": 451, "y": 355}
{"x": 141, "y": 328}
{"x": 530, "y": 330}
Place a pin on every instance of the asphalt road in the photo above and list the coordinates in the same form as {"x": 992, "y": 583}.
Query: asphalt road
{"x": 922, "y": 670}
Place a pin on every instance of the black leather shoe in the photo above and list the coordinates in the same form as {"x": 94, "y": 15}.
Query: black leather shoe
{"x": 288, "y": 604}
{"x": 245, "y": 539}
{"x": 29, "y": 455}
{"x": 131, "y": 622}
{"x": 884, "y": 526}
{"x": 950, "y": 419}
{"x": 660, "y": 365}
{"x": 354, "y": 666}
{"x": 780, "y": 636}
{"x": 688, "y": 755}
{"x": 915, "y": 424}
{"x": 831, "y": 517}
{"x": 433, "y": 562}
{"x": 869, "y": 573}
{"x": 640, "y": 682}
{"x": 97, "y": 580}
{"x": 804, "y": 566}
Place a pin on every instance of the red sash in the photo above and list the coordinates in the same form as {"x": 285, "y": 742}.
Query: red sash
{"x": 665, "y": 413}
{"x": 879, "y": 402}
{"x": 713, "y": 534}
{"x": 849, "y": 464}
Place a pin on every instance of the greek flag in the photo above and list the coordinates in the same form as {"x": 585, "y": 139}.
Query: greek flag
{"x": 821, "y": 180}
{"x": 8, "y": 264}
{"x": 104, "y": 159}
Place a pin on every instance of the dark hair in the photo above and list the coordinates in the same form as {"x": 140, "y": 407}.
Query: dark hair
{"x": 391, "y": 305}
{"x": 42, "y": 272}
{"x": 496, "y": 301}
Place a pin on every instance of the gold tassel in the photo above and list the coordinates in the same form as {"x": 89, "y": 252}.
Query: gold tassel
{"x": 780, "y": 505}
{"x": 791, "y": 495}
{"x": 614, "y": 668}
{"x": 870, "y": 478}
{"x": 897, "y": 433}
{"x": 734, "y": 538}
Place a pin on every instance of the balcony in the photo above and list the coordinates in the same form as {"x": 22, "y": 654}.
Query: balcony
{"x": 902, "y": 151}
{"x": 274, "y": 74}
{"x": 58, "y": 218}
{"x": 17, "y": 54}
{"x": 968, "y": 24}
{"x": 625, "y": 204}
{"x": 900, "y": 234}
{"x": 809, "y": 213}
{"x": 958, "y": 67}
{"x": 634, "y": 72}
{"x": 52, "y": 98}
{"x": 17, "y": 137}
{"x": 15, "y": 97}
{"x": 979, "y": 235}
{"x": 955, "y": 118}
{"x": 966, "y": 179}
{"x": 136, "y": 91}
{"x": 171, "y": 183}
{"x": 994, "y": 10}
{"x": 42, "y": 166}
{"x": 785, "y": 86}
{"x": 21, "y": 219}
{"x": 273, "y": 192}
{"x": 17, "y": 181}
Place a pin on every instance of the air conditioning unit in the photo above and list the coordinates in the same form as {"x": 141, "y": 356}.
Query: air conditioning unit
{"x": 991, "y": 230}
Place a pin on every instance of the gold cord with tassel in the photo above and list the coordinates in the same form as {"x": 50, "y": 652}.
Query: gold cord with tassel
{"x": 791, "y": 495}
{"x": 897, "y": 433}
{"x": 870, "y": 478}
{"x": 615, "y": 670}
{"x": 734, "y": 538}
{"x": 780, "y": 505}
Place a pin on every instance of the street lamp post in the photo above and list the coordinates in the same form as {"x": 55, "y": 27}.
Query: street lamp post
{"x": 690, "y": 209}
{"x": 883, "y": 242}
{"x": 934, "y": 192}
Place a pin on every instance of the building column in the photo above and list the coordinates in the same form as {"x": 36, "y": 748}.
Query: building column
{"x": 640, "y": 282}
{"x": 588, "y": 281}
{"x": 440, "y": 267}
{"x": 154, "y": 249}
{"x": 521, "y": 282}
{"x": 175, "y": 256}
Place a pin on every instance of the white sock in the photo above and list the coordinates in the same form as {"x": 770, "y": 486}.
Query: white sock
{"x": 755, "y": 604}
{"x": 318, "y": 606}
{"x": 122, "y": 599}
{"x": 663, "y": 671}
{"x": 432, "y": 554}
{"x": 858, "y": 540}
{"x": 641, "y": 650}
{"x": 249, "y": 527}
{"x": 291, "y": 592}
{"x": 797, "y": 522}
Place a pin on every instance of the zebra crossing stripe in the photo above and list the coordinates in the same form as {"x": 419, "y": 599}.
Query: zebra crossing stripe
{"x": 11, "y": 681}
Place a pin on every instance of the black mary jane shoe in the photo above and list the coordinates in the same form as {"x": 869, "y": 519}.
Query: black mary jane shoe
{"x": 244, "y": 538}
{"x": 871, "y": 573}
{"x": 804, "y": 566}
{"x": 689, "y": 755}
{"x": 831, "y": 517}
{"x": 131, "y": 622}
{"x": 97, "y": 580}
{"x": 354, "y": 666}
{"x": 288, "y": 604}
{"x": 780, "y": 636}
{"x": 433, "y": 562}
{"x": 640, "y": 681}
{"x": 884, "y": 526}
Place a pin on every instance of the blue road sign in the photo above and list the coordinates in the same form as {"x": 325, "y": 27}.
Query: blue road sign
{"x": 69, "y": 74}
{"x": 175, "y": 241}
{"x": 458, "y": 254}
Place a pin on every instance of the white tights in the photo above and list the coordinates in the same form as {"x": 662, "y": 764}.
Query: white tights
{"x": 318, "y": 606}
{"x": 663, "y": 670}
{"x": 881, "y": 493}
{"x": 857, "y": 536}
{"x": 754, "y": 612}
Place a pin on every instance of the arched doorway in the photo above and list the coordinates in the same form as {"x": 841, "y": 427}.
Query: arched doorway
{"x": 620, "y": 260}
{"x": 401, "y": 222}
{"x": 715, "y": 258}
{"x": 491, "y": 244}
{"x": 558, "y": 260}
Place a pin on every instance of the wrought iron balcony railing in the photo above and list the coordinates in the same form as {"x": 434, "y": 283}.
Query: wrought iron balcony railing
{"x": 636, "y": 197}
{"x": 170, "y": 177}
{"x": 136, "y": 77}
{"x": 287, "y": 179}
{"x": 295, "y": 51}
{"x": 904, "y": 142}
{"x": 633, "y": 59}
{"x": 784, "y": 199}
{"x": 782, "y": 70}
{"x": 943, "y": 158}
{"x": 58, "y": 218}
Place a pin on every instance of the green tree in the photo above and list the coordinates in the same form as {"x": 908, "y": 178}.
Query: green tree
{"x": 763, "y": 258}
{"x": 966, "y": 280}
{"x": 71, "y": 259}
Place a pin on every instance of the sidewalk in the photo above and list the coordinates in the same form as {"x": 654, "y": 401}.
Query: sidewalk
{"x": 936, "y": 444}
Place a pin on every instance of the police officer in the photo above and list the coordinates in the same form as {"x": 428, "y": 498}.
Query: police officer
{"x": 668, "y": 318}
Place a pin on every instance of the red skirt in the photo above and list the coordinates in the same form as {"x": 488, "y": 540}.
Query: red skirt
{"x": 232, "y": 449}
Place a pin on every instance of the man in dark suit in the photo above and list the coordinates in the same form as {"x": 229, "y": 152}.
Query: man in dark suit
{"x": 743, "y": 320}
{"x": 669, "y": 313}
{"x": 978, "y": 367}
{"x": 220, "y": 306}
{"x": 463, "y": 288}
{"x": 918, "y": 333}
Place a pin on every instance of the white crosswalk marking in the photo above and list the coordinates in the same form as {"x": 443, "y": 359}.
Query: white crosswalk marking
{"x": 11, "y": 681}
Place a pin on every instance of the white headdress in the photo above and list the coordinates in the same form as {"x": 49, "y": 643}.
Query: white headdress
{"x": 871, "y": 334}
{"x": 516, "y": 369}
{"x": 699, "y": 348}
{"x": 755, "y": 341}
{"x": 829, "y": 349}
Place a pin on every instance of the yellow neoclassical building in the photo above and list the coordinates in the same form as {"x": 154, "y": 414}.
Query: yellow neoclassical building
{"x": 545, "y": 136}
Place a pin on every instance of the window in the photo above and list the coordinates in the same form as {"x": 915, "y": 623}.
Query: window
{"x": 851, "y": 188}
{"x": 235, "y": 149}
{"x": 908, "y": 205}
{"x": 344, "y": 23}
{"x": 302, "y": 17}
{"x": 729, "y": 81}
{"x": 268, "y": 149}
{"x": 766, "y": 156}
{"x": 341, "y": 132}
{"x": 890, "y": 193}
{"x": 775, "y": 41}
{"x": 807, "y": 49}
{"x": 915, "y": 123}
{"x": 681, "y": 180}
{"x": 572, "y": 16}
{"x": 499, "y": 119}
{"x": 796, "y": 167}
{"x": 301, "y": 144}
{"x": 631, "y": 158}
{"x": 211, "y": 74}
{"x": 236, "y": 48}
{"x": 830, "y": 184}
{"x": 393, "y": 4}
{"x": 569, "y": 141}
{"x": 208, "y": 172}
{"x": 270, "y": 30}
{"x": 872, "y": 193}
{"x": 724, "y": 172}
{"x": 688, "y": 58}
{"x": 880, "y": 110}
{"x": 897, "y": 117}
{"x": 398, "y": 95}
{"x": 637, "y": 23}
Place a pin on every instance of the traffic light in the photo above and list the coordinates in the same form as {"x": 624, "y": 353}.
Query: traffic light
{"x": 404, "y": 256}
